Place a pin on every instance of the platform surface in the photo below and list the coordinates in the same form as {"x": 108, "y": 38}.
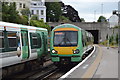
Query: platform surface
{"x": 102, "y": 64}
{"x": 108, "y": 67}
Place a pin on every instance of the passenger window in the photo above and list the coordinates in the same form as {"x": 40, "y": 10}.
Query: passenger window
{"x": 36, "y": 40}
{"x": 83, "y": 40}
{"x": 12, "y": 38}
{"x": 1, "y": 40}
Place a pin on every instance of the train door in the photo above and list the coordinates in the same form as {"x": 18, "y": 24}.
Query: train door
{"x": 44, "y": 41}
{"x": 25, "y": 44}
{"x": 84, "y": 40}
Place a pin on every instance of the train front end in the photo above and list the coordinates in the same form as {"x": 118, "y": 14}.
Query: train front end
{"x": 66, "y": 46}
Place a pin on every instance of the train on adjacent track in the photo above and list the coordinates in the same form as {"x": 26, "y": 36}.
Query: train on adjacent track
{"x": 21, "y": 47}
{"x": 69, "y": 44}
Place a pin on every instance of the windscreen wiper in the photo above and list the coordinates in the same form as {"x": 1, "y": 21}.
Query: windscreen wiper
{"x": 63, "y": 40}
{"x": 69, "y": 41}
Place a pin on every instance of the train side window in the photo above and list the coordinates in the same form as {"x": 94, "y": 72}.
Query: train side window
{"x": 83, "y": 40}
{"x": 39, "y": 40}
{"x": 35, "y": 40}
{"x": 1, "y": 40}
{"x": 12, "y": 40}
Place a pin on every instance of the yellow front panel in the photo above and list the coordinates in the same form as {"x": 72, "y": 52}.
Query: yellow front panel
{"x": 65, "y": 50}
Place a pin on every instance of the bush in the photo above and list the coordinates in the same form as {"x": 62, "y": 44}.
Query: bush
{"x": 22, "y": 20}
{"x": 34, "y": 17}
{"x": 116, "y": 38}
{"x": 111, "y": 39}
{"x": 39, "y": 23}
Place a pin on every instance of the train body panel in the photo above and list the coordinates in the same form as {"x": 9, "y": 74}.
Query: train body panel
{"x": 69, "y": 42}
{"x": 65, "y": 50}
{"x": 20, "y": 43}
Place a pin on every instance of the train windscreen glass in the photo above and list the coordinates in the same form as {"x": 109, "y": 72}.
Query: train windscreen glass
{"x": 65, "y": 38}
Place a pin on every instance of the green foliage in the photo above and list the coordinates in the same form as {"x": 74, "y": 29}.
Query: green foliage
{"x": 9, "y": 13}
{"x": 39, "y": 23}
{"x": 107, "y": 37}
{"x": 104, "y": 43}
{"x": 101, "y": 19}
{"x": 82, "y": 19}
{"x": 34, "y": 17}
{"x": 22, "y": 20}
{"x": 25, "y": 12}
{"x": 53, "y": 11}
{"x": 117, "y": 38}
{"x": 111, "y": 39}
{"x": 63, "y": 19}
{"x": 117, "y": 27}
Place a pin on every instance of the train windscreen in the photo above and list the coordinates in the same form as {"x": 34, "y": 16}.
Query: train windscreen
{"x": 65, "y": 38}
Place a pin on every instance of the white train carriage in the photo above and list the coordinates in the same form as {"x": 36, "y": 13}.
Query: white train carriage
{"x": 20, "y": 44}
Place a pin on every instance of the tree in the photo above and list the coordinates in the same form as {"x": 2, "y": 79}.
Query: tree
{"x": 9, "y": 13}
{"x": 102, "y": 19}
{"x": 53, "y": 11}
{"x": 82, "y": 19}
{"x": 64, "y": 19}
{"x": 70, "y": 12}
{"x": 25, "y": 11}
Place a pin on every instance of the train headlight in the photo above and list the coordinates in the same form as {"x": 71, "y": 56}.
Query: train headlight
{"x": 54, "y": 51}
{"x": 76, "y": 51}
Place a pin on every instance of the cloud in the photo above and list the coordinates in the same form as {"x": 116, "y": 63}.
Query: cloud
{"x": 90, "y": 1}
{"x": 92, "y": 17}
{"x": 86, "y": 9}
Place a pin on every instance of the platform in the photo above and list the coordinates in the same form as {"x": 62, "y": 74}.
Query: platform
{"x": 102, "y": 64}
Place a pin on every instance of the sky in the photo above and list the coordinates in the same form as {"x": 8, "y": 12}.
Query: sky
{"x": 90, "y": 10}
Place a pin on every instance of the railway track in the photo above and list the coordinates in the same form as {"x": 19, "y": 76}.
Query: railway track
{"x": 24, "y": 75}
{"x": 48, "y": 72}
{"x": 54, "y": 75}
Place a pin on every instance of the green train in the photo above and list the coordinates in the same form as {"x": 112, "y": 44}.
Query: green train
{"x": 21, "y": 47}
{"x": 69, "y": 44}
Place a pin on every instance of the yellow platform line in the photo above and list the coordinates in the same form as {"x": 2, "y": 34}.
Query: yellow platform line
{"x": 91, "y": 70}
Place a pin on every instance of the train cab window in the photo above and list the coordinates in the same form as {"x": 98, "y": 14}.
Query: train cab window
{"x": 12, "y": 39}
{"x": 65, "y": 38}
{"x": 35, "y": 40}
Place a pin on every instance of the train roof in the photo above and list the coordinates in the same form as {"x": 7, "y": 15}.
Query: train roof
{"x": 67, "y": 25}
{"x": 20, "y": 26}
